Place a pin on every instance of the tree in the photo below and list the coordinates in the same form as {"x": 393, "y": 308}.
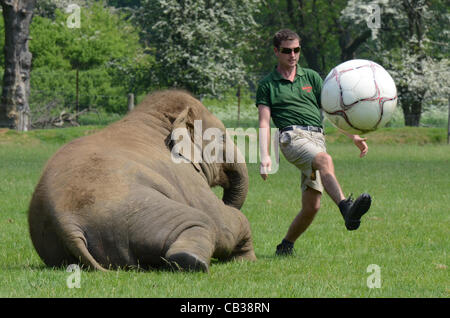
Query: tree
{"x": 317, "y": 24}
{"x": 105, "y": 50}
{"x": 198, "y": 43}
{"x": 327, "y": 40}
{"x": 402, "y": 44}
{"x": 14, "y": 107}
{"x": 411, "y": 88}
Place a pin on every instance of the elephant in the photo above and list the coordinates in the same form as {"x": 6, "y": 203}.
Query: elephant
{"x": 118, "y": 199}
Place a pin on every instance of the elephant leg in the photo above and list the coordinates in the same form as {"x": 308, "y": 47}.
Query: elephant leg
{"x": 168, "y": 233}
{"x": 244, "y": 251}
{"x": 236, "y": 242}
{"x": 191, "y": 250}
{"x": 244, "y": 248}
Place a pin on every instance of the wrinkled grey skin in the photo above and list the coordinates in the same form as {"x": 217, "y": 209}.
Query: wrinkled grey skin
{"x": 117, "y": 199}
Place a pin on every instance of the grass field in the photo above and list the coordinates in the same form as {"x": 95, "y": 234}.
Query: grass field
{"x": 405, "y": 233}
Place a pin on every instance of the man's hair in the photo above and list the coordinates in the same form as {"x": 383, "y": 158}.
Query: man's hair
{"x": 284, "y": 35}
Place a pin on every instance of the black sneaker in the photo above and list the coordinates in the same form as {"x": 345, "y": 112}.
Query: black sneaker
{"x": 285, "y": 249}
{"x": 353, "y": 211}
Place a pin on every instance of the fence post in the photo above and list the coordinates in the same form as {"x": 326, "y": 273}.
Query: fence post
{"x": 130, "y": 102}
{"x": 448, "y": 123}
{"x": 238, "y": 94}
{"x": 77, "y": 92}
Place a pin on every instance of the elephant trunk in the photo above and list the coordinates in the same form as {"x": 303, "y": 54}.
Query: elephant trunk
{"x": 236, "y": 192}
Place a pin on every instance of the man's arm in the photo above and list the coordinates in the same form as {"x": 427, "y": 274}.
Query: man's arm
{"x": 264, "y": 137}
{"x": 358, "y": 141}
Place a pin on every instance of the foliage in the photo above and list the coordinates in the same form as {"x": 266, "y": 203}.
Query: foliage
{"x": 57, "y": 88}
{"x": 335, "y": 31}
{"x": 124, "y": 3}
{"x": 210, "y": 47}
{"x": 102, "y": 37}
{"x": 105, "y": 49}
{"x": 47, "y": 8}
{"x": 197, "y": 43}
{"x": 326, "y": 40}
{"x": 408, "y": 46}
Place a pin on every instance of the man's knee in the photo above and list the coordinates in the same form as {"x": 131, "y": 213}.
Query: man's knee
{"x": 322, "y": 161}
{"x": 311, "y": 200}
{"x": 315, "y": 207}
{"x": 311, "y": 209}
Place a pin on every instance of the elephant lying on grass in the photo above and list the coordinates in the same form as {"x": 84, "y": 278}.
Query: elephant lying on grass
{"x": 117, "y": 198}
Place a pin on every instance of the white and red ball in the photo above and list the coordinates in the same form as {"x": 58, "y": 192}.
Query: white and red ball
{"x": 359, "y": 96}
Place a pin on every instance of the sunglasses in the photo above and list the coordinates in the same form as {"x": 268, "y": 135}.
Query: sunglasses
{"x": 286, "y": 50}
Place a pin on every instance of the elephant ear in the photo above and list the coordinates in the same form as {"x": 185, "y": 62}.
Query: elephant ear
{"x": 184, "y": 122}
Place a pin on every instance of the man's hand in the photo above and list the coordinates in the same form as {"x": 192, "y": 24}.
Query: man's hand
{"x": 361, "y": 144}
{"x": 265, "y": 167}
{"x": 358, "y": 141}
{"x": 264, "y": 138}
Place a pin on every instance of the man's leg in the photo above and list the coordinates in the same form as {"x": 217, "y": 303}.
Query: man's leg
{"x": 324, "y": 164}
{"x": 310, "y": 206}
{"x": 351, "y": 211}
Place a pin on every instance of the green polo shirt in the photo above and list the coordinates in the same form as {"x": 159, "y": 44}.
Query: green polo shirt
{"x": 292, "y": 103}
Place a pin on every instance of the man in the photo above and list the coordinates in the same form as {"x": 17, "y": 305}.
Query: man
{"x": 290, "y": 95}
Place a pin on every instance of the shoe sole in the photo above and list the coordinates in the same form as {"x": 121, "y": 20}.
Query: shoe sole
{"x": 359, "y": 208}
{"x": 284, "y": 252}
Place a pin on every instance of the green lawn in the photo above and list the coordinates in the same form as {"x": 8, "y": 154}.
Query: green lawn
{"x": 405, "y": 233}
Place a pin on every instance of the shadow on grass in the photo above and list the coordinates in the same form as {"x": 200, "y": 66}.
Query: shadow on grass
{"x": 18, "y": 267}
{"x": 165, "y": 268}
{"x": 276, "y": 257}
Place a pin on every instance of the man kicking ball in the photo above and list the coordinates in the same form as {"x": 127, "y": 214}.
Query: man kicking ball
{"x": 290, "y": 95}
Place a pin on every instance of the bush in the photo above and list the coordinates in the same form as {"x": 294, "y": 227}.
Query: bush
{"x": 58, "y": 87}
{"x": 105, "y": 50}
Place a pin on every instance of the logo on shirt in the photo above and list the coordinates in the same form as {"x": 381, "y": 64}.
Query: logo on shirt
{"x": 308, "y": 89}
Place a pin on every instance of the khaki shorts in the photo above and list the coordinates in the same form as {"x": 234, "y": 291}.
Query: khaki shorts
{"x": 300, "y": 147}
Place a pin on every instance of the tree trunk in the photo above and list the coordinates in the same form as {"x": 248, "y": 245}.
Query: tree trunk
{"x": 412, "y": 115}
{"x": 349, "y": 46}
{"x": 411, "y": 98}
{"x": 411, "y": 104}
{"x": 14, "y": 107}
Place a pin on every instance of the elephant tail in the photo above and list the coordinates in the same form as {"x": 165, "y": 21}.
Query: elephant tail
{"x": 75, "y": 242}
{"x": 78, "y": 248}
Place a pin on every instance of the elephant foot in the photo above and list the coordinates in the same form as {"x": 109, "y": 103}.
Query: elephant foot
{"x": 246, "y": 256}
{"x": 192, "y": 249}
{"x": 187, "y": 261}
{"x": 244, "y": 250}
